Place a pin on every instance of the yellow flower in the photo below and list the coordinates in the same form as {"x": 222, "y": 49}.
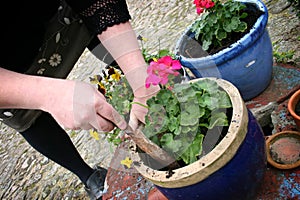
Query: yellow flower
{"x": 94, "y": 80}
{"x": 116, "y": 76}
{"x": 127, "y": 162}
{"x": 101, "y": 85}
{"x": 141, "y": 38}
{"x": 94, "y": 134}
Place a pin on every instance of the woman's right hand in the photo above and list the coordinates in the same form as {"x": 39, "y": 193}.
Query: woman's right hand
{"x": 73, "y": 104}
{"x": 78, "y": 105}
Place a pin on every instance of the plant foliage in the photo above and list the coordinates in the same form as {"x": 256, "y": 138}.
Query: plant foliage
{"x": 218, "y": 21}
{"x": 179, "y": 115}
{"x": 178, "y": 119}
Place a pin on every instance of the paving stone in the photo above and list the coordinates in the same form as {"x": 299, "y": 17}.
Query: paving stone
{"x": 26, "y": 174}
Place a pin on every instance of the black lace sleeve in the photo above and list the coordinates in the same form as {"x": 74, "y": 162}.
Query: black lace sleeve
{"x": 100, "y": 14}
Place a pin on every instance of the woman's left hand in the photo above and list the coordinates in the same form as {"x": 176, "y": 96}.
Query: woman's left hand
{"x": 138, "y": 112}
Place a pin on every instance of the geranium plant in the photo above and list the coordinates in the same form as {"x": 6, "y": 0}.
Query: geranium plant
{"x": 219, "y": 22}
{"x": 111, "y": 82}
{"x": 179, "y": 115}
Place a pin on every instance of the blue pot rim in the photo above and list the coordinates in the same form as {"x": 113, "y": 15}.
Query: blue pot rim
{"x": 228, "y": 53}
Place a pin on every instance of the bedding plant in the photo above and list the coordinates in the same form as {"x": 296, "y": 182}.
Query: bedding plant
{"x": 220, "y": 24}
{"x": 179, "y": 115}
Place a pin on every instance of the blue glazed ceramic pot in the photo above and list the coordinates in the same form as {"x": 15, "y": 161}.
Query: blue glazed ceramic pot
{"x": 233, "y": 169}
{"x": 247, "y": 63}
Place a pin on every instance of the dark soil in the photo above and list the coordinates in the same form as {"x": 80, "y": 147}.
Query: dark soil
{"x": 297, "y": 108}
{"x": 192, "y": 49}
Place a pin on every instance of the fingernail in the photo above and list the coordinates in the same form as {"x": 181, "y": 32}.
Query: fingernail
{"x": 122, "y": 125}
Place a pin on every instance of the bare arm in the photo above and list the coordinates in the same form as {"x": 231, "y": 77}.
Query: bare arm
{"x": 23, "y": 91}
{"x": 74, "y": 104}
{"x": 121, "y": 41}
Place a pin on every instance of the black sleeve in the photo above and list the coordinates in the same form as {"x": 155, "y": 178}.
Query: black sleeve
{"x": 100, "y": 14}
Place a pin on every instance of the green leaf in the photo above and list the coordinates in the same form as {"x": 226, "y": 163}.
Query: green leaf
{"x": 242, "y": 27}
{"x": 183, "y": 92}
{"x": 226, "y": 25}
{"x": 224, "y": 100}
{"x": 190, "y": 130}
{"x": 163, "y": 52}
{"x": 206, "y": 44}
{"x": 244, "y": 15}
{"x": 169, "y": 144}
{"x": 218, "y": 119}
{"x": 156, "y": 140}
{"x": 220, "y": 35}
{"x": 173, "y": 123}
{"x": 235, "y": 21}
{"x": 206, "y": 85}
{"x": 163, "y": 96}
{"x": 194, "y": 150}
{"x": 187, "y": 120}
{"x": 158, "y": 122}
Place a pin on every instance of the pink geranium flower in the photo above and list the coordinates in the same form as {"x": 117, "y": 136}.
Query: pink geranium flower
{"x": 160, "y": 70}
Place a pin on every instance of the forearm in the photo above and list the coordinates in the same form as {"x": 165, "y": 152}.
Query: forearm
{"x": 121, "y": 41}
{"x": 24, "y": 91}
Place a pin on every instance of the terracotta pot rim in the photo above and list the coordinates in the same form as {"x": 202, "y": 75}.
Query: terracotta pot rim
{"x": 271, "y": 139}
{"x": 292, "y": 103}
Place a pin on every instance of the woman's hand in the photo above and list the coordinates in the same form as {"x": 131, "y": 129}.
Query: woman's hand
{"x": 78, "y": 105}
{"x": 139, "y": 108}
{"x": 138, "y": 112}
{"x": 73, "y": 104}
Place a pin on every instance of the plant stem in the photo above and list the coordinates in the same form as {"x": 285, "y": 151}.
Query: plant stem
{"x": 140, "y": 104}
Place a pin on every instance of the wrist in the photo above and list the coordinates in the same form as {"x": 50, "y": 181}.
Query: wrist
{"x": 136, "y": 78}
{"x": 52, "y": 91}
{"x": 144, "y": 92}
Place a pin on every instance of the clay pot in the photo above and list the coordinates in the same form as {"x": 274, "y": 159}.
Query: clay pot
{"x": 292, "y": 105}
{"x": 283, "y": 149}
{"x": 155, "y": 194}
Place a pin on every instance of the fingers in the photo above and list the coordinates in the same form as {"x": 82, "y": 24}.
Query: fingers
{"x": 102, "y": 124}
{"x": 139, "y": 112}
{"x": 109, "y": 114}
{"x": 91, "y": 110}
{"x": 133, "y": 121}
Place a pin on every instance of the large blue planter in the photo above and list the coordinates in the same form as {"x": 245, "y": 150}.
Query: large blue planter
{"x": 247, "y": 63}
{"x": 233, "y": 170}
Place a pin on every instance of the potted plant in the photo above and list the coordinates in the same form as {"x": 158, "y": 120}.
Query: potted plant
{"x": 294, "y": 107}
{"x": 205, "y": 126}
{"x": 229, "y": 41}
{"x": 233, "y": 169}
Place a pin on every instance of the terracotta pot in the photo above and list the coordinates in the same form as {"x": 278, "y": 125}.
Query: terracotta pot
{"x": 283, "y": 149}
{"x": 155, "y": 194}
{"x": 294, "y": 100}
{"x": 231, "y": 170}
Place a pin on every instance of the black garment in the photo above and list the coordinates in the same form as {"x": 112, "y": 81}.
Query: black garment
{"x": 48, "y": 138}
{"x": 24, "y": 26}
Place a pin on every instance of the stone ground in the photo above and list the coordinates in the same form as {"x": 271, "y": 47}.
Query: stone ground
{"x": 26, "y": 174}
